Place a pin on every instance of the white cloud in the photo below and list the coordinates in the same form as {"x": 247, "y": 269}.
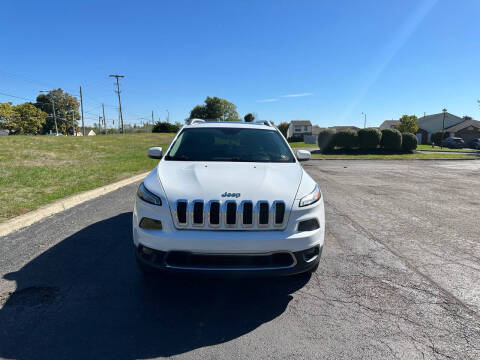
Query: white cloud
{"x": 267, "y": 100}
{"x": 296, "y": 95}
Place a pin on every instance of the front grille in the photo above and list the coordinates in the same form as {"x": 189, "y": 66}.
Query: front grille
{"x": 182, "y": 212}
{"x": 263, "y": 213}
{"x": 198, "y": 212}
{"x": 231, "y": 218}
{"x": 230, "y": 214}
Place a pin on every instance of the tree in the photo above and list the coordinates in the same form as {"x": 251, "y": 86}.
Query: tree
{"x": 6, "y": 113}
{"x": 408, "y": 124}
{"x": 64, "y": 104}
{"x": 249, "y": 117}
{"x": 283, "y": 127}
{"x": 438, "y": 136}
{"x": 215, "y": 108}
{"x": 21, "y": 119}
{"x": 198, "y": 112}
{"x": 165, "y": 127}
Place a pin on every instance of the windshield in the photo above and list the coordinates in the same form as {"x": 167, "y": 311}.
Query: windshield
{"x": 230, "y": 144}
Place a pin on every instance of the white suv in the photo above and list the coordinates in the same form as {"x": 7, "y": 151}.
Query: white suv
{"x": 229, "y": 197}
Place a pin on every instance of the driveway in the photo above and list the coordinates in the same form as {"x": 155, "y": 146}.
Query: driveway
{"x": 399, "y": 278}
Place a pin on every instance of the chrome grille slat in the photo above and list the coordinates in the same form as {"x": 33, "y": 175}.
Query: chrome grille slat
{"x": 230, "y": 214}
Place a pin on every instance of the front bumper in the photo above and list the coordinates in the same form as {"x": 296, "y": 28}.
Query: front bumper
{"x": 265, "y": 264}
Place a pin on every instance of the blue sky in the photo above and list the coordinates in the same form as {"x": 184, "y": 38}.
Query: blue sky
{"x": 326, "y": 61}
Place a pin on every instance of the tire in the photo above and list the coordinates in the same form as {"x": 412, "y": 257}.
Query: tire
{"x": 315, "y": 268}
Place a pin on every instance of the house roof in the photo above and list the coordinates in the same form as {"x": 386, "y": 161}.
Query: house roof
{"x": 301, "y": 122}
{"x": 463, "y": 125}
{"x": 428, "y": 117}
{"x": 347, "y": 127}
{"x": 388, "y": 124}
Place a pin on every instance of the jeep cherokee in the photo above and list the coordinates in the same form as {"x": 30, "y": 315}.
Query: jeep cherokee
{"x": 229, "y": 197}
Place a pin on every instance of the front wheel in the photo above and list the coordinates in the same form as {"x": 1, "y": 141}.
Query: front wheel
{"x": 314, "y": 269}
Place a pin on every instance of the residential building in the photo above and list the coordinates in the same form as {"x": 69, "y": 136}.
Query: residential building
{"x": 465, "y": 128}
{"x": 299, "y": 128}
{"x": 389, "y": 124}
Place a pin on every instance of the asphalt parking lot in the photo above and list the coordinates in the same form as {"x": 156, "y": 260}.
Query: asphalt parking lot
{"x": 399, "y": 279}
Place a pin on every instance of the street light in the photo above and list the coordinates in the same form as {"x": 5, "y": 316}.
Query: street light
{"x": 54, "y": 117}
{"x": 365, "y": 120}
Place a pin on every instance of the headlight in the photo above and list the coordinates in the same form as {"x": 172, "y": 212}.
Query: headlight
{"x": 147, "y": 196}
{"x": 311, "y": 198}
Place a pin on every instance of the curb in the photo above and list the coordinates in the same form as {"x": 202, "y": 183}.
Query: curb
{"x": 31, "y": 217}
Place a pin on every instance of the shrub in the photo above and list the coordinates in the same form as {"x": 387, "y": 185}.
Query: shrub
{"x": 409, "y": 142}
{"x": 369, "y": 138}
{"x": 391, "y": 139}
{"x": 346, "y": 139}
{"x": 439, "y": 136}
{"x": 295, "y": 138}
{"x": 165, "y": 127}
{"x": 326, "y": 140}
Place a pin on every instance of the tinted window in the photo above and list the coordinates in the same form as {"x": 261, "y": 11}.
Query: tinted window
{"x": 230, "y": 144}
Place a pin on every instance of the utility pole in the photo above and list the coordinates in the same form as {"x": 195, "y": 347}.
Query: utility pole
{"x": 443, "y": 127}
{"x": 168, "y": 116}
{"x": 119, "y": 102}
{"x": 365, "y": 120}
{"x": 73, "y": 122}
{"x": 81, "y": 106}
{"x": 104, "y": 120}
{"x": 152, "y": 117}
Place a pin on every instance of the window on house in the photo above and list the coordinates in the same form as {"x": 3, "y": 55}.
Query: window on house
{"x": 305, "y": 128}
{"x": 298, "y": 129}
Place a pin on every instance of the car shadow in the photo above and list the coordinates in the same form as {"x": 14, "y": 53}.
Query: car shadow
{"x": 85, "y": 298}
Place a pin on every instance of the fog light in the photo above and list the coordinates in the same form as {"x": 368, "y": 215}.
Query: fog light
{"x": 150, "y": 224}
{"x": 308, "y": 225}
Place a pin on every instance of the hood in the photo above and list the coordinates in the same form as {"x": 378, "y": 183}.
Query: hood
{"x": 248, "y": 181}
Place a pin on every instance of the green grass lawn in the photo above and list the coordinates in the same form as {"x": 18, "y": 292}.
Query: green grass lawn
{"x": 437, "y": 148}
{"x": 301, "y": 144}
{"x": 396, "y": 156}
{"x": 36, "y": 170}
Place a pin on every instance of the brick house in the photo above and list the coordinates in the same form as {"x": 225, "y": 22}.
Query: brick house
{"x": 465, "y": 128}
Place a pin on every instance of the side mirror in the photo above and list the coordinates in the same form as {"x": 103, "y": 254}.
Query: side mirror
{"x": 155, "y": 152}
{"x": 303, "y": 155}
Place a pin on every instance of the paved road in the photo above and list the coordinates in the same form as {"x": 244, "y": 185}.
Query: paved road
{"x": 399, "y": 279}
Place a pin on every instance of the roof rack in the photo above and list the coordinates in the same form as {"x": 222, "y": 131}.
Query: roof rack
{"x": 263, "y": 122}
{"x": 196, "y": 121}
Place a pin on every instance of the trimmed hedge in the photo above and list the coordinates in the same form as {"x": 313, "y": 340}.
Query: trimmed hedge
{"x": 391, "y": 139}
{"x": 326, "y": 140}
{"x": 346, "y": 139}
{"x": 295, "y": 138}
{"x": 369, "y": 138}
{"x": 409, "y": 142}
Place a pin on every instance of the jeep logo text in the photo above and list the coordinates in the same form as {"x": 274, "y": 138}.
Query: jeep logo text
{"x": 227, "y": 194}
